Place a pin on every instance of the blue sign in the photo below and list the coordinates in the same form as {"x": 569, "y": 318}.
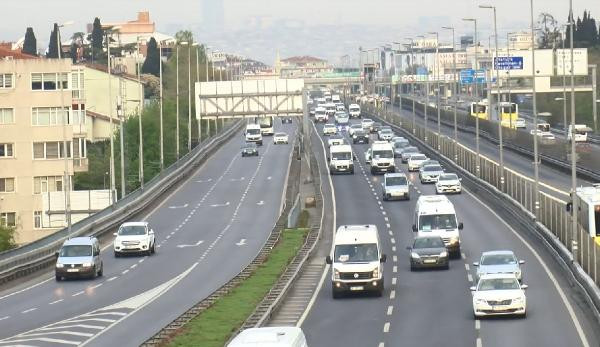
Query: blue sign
{"x": 422, "y": 70}
{"x": 467, "y": 76}
{"x": 508, "y": 63}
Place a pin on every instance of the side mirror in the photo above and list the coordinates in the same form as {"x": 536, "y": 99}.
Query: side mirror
{"x": 151, "y": 232}
{"x": 115, "y": 234}
{"x": 56, "y": 254}
{"x": 524, "y": 286}
{"x": 460, "y": 179}
{"x": 521, "y": 262}
{"x": 328, "y": 260}
{"x": 472, "y": 289}
{"x": 414, "y": 228}
{"x": 460, "y": 226}
{"x": 383, "y": 258}
{"x": 475, "y": 264}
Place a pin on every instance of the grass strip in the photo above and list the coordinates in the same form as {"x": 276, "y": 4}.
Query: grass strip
{"x": 213, "y": 327}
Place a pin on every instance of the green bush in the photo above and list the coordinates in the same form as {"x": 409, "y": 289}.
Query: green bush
{"x": 7, "y": 238}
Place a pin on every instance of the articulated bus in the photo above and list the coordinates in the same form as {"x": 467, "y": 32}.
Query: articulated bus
{"x": 509, "y": 113}
{"x": 266, "y": 125}
{"x": 479, "y": 109}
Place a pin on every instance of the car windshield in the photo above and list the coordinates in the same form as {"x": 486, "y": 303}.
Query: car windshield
{"x": 280, "y": 134}
{"x": 386, "y": 131}
{"x": 357, "y": 253}
{"x": 498, "y": 284}
{"x": 400, "y": 144}
{"x": 132, "y": 230}
{"x": 76, "y": 251}
{"x": 341, "y": 156}
{"x": 383, "y": 154}
{"x": 432, "y": 168}
{"x": 428, "y": 242}
{"x": 437, "y": 222}
{"x": 449, "y": 177}
{"x": 418, "y": 157}
{"x": 396, "y": 181}
{"x": 498, "y": 259}
{"x": 359, "y": 133}
{"x": 411, "y": 150}
{"x": 353, "y": 109}
{"x": 253, "y": 131}
{"x": 249, "y": 146}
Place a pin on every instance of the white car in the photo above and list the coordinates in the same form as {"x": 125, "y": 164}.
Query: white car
{"x": 354, "y": 127}
{"x": 499, "y": 294}
{"x": 415, "y": 161}
{"x": 335, "y": 140}
{"x": 520, "y": 123}
{"x": 279, "y": 138}
{"x": 134, "y": 237}
{"x": 367, "y": 124}
{"x": 448, "y": 183}
{"x": 545, "y": 135}
{"x": 329, "y": 129}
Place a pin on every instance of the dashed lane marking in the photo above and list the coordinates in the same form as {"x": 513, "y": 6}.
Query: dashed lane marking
{"x": 30, "y": 310}
{"x": 56, "y": 301}
{"x": 470, "y": 278}
{"x": 393, "y": 294}
{"x": 390, "y": 310}
{"x": 386, "y": 327}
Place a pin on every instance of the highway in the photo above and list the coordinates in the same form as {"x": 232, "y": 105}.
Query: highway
{"x": 207, "y": 231}
{"x": 429, "y": 308}
{"x": 549, "y": 175}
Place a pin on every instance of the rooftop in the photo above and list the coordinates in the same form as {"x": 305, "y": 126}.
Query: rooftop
{"x": 303, "y": 59}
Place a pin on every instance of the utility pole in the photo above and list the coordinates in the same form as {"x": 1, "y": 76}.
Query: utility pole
{"x": 575, "y": 206}
{"x": 594, "y": 97}
{"x": 189, "y": 97}
{"x": 198, "y": 81}
{"x": 454, "y": 90}
{"x": 177, "y": 101}
{"x": 162, "y": 153}
{"x": 141, "y": 140}
{"x": 121, "y": 115}
{"x": 110, "y": 118}
{"x": 476, "y": 83}
{"x": 536, "y": 169}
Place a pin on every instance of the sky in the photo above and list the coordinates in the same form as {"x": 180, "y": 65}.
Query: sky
{"x": 259, "y": 28}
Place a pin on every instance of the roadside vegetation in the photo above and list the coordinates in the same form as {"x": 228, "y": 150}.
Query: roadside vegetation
{"x": 7, "y": 238}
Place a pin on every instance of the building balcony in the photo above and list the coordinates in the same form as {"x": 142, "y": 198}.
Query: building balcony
{"x": 80, "y": 165}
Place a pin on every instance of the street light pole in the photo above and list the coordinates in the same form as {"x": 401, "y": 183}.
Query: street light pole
{"x": 566, "y": 127}
{"x": 412, "y": 63}
{"x": 110, "y": 118}
{"x": 575, "y": 208}
{"x": 162, "y": 154}
{"x": 437, "y": 77}
{"x": 141, "y": 140}
{"x": 198, "y": 81}
{"x": 476, "y": 44}
{"x": 189, "y": 98}
{"x": 535, "y": 119}
{"x": 454, "y": 89}
{"x": 498, "y": 113}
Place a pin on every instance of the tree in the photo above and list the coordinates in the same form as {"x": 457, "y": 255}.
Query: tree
{"x": 53, "y": 45}
{"x": 549, "y": 33}
{"x": 97, "y": 37}
{"x": 152, "y": 62}
{"x": 30, "y": 44}
{"x": 184, "y": 36}
{"x": 7, "y": 237}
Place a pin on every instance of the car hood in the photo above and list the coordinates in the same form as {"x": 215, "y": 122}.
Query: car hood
{"x": 74, "y": 260}
{"x": 498, "y": 295}
{"x": 396, "y": 188}
{"x": 448, "y": 183}
{"x": 429, "y": 251}
{"x": 494, "y": 269}
{"x": 432, "y": 173}
{"x": 355, "y": 267}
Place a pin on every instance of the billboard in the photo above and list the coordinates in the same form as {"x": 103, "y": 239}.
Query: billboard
{"x": 545, "y": 61}
{"x": 580, "y": 60}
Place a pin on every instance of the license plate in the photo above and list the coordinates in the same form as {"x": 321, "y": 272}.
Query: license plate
{"x": 429, "y": 261}
{"x": 72, "y": 270}
{"x": 357, "y": 288}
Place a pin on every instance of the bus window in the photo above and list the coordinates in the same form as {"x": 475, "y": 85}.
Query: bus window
{"x": 478, "y": 108}
{"x": 509, "y": 109}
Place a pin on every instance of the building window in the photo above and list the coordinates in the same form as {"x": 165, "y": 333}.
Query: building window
{"x": 6, "y": 81}
{"x": 8, "y": 219}
{"x": 79, "y": 148}
{"x": 77, "y": 84}
{"x": 49, "y": 81}
{"x": 45, "y": 184}
{"x": 7, "y": 116}
{"x": 6, "y": 150}
{"x": 7, "y": 185}
{"x": 49, "y": 116}
{"x": 50, "y": 150}
{"x": 37, "y": 220}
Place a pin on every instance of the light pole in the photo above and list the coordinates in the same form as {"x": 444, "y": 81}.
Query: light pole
{"x": 498, "y": 113}
{"x": 564, "y": 80}
{"x": 198, "y": 81}
{"x": 509, "y": 99}
{"x": 189, "y": 98}
{"x": 535, "y": 119}
{"x": 575, "y": 208}
{"x": 177, "y": 98}
{"x": 412, "y": 63}
{"x": 594, "y": 94}
{"x": 110, "y": 119}
{"x": 65, "y": 121}
{"x": 454, "y": 89}
{"x": 141, "y": 139}
{"x": 476, "y": 82}
{"x": 161, "y": 135}
{"x": 437, "y": 77}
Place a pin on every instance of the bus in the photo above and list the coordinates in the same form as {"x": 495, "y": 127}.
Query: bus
{"x": 588, "y": 209}
{"x": 479, "y": 110}
{"x": 266, "y": 125}
{"x": 581, "y": 132}
{"x": 509, "y": 113}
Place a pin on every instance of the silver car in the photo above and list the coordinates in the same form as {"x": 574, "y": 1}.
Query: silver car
{"x": 430, "y": 173}
{"x": 395, "y": 186}
{"x": 79, "y": 257}
{"x": 407, "y": 152}
{"x": 399, "y": 146}
{"x": 386, "y": 135}
{"x": 499, "y": 262}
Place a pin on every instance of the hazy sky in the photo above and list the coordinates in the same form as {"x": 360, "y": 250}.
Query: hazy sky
{"x": 258, "y": 28}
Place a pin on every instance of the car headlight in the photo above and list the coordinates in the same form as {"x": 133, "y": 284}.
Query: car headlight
{"x": 414, "y": 255}
{"x": 481, "y": 301}
{"x": 59, "y": 265}
{"x": 519, "y": 300}
{"x": 376, "y": 273}
{"x": 87, "y": 264}
{"x": 336, "y": 274}
{"x": 444, "y": 254}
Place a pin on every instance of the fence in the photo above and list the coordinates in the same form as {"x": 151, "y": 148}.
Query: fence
{"x": 551, "y": 211}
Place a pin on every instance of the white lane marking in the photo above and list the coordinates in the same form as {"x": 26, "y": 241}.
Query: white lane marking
{"x": 469, "y": 278}
{"x": 133, "y": 266}
{"x": 97, "y": 285}
{"x": 141, "y": 260}
{"x": 394, "y": 280}
{"x": 464, "y": 256}
{"x": 111, "y": 279}
{"x": 30, "y": 310}
{"x": 125, "y": 271}
{"x": 27, "y": 288}
{"x": 395, "y": 258}
{"x": 381, "y": 344}
{"x": 390, "y": 310}
{"x": 62, "y": 332}
{"x": 220, "y": 205}
{"x": 383, "y": 213}
{"x": 395, "y": 269}
{"x": 388, "y": 225}
{"x": 269, "y": 178}
{"x": 241, "y": 243}
{"x": 176, "y": 207}
{"x": 5, "y": 317}
{"x": 386, "y": 327}
{"x": 85, "y": 326}
{"x": 393, "y": 294}
{"x": 204, "y": 181}
{"x": 390, "y": 232}
{"x": 47, "y": 339}
{"x": 478, "y": 342}
{"x": 56, "y": 301}
{"x": 260, "y": 203}
{"x": 386, "y": 219}
{"x": 392, "y": 240}
{"x": 194, "y": 245}
{"x": 561, "y": 293}
{"x": 477, "y": 324}
{"x": 79, "y": 293}
{"x": 393, "y": 248}
{"x": 466, "y": 266}
{"x": 237, "y": 179}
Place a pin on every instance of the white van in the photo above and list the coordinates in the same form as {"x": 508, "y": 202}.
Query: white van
{"x": 581, "y": 132}
{"x": 335, "y": 98}
{"x": 341, "y": 159}
{"x": 253, "y": 133}
{"x": 435, "y": 216}
{"x": 270, "y": 337}
{"x": 357, "y": 260}
{"x": 354, "y": 110}
{"x": 382, "y": 157}
{"x": 321, "y": 115}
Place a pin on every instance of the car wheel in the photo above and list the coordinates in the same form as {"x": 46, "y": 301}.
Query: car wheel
{"x": 101, "y": 272}
{"x": 117, "y": 254}
{"x": 58, "y": 278}
{"x": 336, "y": 294}
{"x": 384, "y": 197}
{"x": 153, "y": 249}
{"x": 412, "y": 268}
{"x": 94, "y": 273}
{"x": 447, "y": 267}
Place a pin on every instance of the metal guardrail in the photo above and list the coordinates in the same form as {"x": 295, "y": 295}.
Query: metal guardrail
{"x": 549, "y": 221}
{"x": 40, "y": 254}
{"x": 291, "y": 191}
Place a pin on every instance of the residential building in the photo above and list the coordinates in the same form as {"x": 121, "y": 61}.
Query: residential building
{"x": 301, "y": 66}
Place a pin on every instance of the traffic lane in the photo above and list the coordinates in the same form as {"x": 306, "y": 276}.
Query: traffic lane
{"x": 483, "y": 231}
{"x": 327, "y": 323}
{"x": 116, "y": 271}
{"x": 234, "y": 247}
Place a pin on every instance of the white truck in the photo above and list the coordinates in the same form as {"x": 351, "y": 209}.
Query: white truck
{"x": 435, "y": 216}
{"x": 341, "y": 159}
{"x": 253, "y": 134}
{"x": 357, "y": 262}
{"x": 382, "y": 157}
{"x": 354, "y": 110}
{"x": 581, "y": 132}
